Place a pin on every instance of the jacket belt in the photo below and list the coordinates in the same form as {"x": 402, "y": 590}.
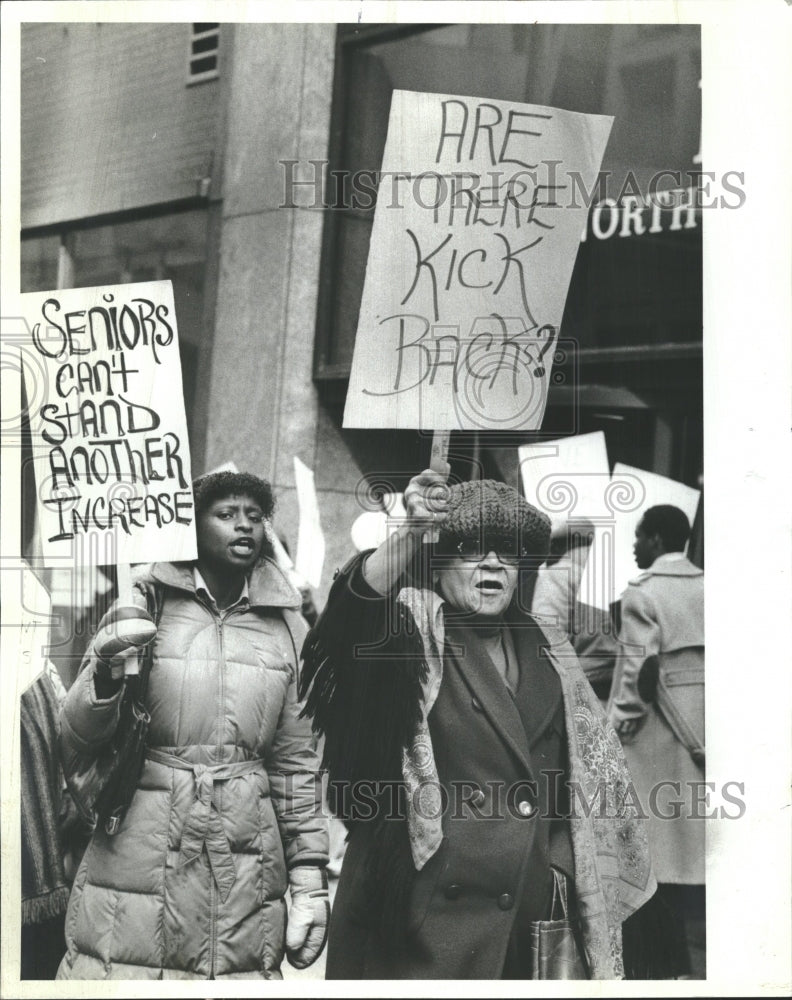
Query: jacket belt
{"x": 203, "y": 827}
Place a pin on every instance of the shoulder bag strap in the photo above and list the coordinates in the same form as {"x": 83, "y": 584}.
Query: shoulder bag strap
{"x": 678, "y": 723}
{"x": 154, "y": 602}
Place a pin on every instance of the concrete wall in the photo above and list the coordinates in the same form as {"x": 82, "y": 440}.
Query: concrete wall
{"x": 263, "y": 408}
{"x": 109, "y": 121}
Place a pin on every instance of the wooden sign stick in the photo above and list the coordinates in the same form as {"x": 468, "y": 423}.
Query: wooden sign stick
{"x": 124, "y": 586}
{"x": 439, "y": 459}
{"x": 439, "y": 463}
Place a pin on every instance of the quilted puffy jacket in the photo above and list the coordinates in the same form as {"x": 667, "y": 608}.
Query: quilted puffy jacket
{"x": 192, "y": 885}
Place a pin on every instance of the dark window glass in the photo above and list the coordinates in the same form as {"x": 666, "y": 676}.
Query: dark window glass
{"x": 208, "y": 44}
{"x": 205, "y": 65}
{"x": 168, "y": 247}
{"x": 39, "y": 264}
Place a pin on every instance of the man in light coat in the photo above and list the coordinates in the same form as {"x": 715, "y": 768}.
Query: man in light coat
{"x": 663, "y": 623}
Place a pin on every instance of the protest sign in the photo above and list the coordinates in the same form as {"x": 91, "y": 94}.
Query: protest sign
{"x": 611, "y": 564}
{"x": 371, "y": 528}
{"x": 476, "y": 229}
{"x": 567, "y": 478}
{"x": 109, "y": 435}
{"x": 309, "y": 561}
{"x": 29, "y": 629}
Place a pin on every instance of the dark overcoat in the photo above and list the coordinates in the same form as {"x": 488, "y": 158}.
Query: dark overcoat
{"x": 501, "y": 760}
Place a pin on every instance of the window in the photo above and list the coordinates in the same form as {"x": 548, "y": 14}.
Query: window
{"x": 640, "y": 291}
{"x": 39, "y": 264}
{"x": 204, "y": 53}
{"x": 171, "y": 246}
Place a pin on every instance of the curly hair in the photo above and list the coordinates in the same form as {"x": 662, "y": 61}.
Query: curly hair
{"x": 670, "y": 523}
{"x": 218, "y": 485}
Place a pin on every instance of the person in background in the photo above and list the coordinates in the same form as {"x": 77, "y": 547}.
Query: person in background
{"x": 662, "y": 635}
{"x": 451, "y": 720}
{"x": 52, "y": 829}
{"x": 227, "y": 813}
{"x": 556, "y": 600}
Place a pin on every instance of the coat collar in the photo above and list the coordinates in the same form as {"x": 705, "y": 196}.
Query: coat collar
{"x": 675, "y": 567}
{"x": 267, "y": 584}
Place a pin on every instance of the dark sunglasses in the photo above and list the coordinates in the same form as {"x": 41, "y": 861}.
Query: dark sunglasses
{"x": 476, "y": 549}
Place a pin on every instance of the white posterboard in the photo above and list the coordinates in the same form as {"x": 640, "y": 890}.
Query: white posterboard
{"x": 476, "y": 230}
{"x": 611, "y": 564}
{"x": 29, "y": 625}
{"x": 309, "y": 561}
{"x": 567, "y": 478}
{"x": 109, "y": 435}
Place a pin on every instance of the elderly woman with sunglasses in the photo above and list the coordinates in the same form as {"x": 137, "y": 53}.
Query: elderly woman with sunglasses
{"x": 467, "y": 753}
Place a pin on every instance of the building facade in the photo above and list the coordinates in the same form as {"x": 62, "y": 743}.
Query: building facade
{"x": 222, "y": 157}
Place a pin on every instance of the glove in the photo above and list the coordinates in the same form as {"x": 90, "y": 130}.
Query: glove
{"x": 306, "y": 931}
{"x": 121, "y": 632}
{"x": 627, "y": 729}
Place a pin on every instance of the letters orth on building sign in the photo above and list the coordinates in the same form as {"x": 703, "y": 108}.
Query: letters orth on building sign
{"x": 477, "y": 225}
{"x": 109, "y": 435}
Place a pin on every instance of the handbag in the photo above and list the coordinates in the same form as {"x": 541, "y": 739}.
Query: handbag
{"x": 556, "y": 949}
{"x": 122, "y": 761}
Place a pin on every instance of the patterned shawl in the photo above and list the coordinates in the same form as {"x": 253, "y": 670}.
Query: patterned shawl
{"x": 613, "y": 874}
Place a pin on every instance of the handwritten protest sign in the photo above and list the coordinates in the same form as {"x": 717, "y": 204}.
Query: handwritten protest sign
{"x": 110, "y": 448}
{"x": 477, "y": 225}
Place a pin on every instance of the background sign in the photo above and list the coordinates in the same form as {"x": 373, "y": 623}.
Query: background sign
{"x": 478, "y": 221}
{"x": 309, "y": 561}
{"x": 567, "y": 478}
{"x": 109, "y": 435}
{"x": 611, "y": 564}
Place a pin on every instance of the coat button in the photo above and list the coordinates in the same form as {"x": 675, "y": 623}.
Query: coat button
{"x": 526, "y": 809}
{"x": 505, "y": 901}
{"x": 478, "y": 798}
{"x": 453, "y": 891}
{"x": 477, "y": 705}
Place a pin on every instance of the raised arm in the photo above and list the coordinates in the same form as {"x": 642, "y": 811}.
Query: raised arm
{"x": 363, "y": 660}
{"x": 426, "y": 503}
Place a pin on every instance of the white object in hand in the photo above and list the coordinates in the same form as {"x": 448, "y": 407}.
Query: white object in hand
{"x": 123, "y": 629}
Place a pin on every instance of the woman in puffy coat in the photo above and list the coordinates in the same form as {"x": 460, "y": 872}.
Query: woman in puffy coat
{"x": 227, "y": 811}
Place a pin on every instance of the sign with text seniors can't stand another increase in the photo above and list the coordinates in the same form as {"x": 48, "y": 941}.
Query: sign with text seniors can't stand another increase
{"x": 478, "y": 221}
{"x": 108, "y": 429}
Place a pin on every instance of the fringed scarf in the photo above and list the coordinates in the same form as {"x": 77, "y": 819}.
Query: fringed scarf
{"x": 372, "y": 672}
{"x": 362, "y": 683}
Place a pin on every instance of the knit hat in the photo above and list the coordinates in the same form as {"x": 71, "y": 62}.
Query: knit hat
{"x": 492, "y": 516}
